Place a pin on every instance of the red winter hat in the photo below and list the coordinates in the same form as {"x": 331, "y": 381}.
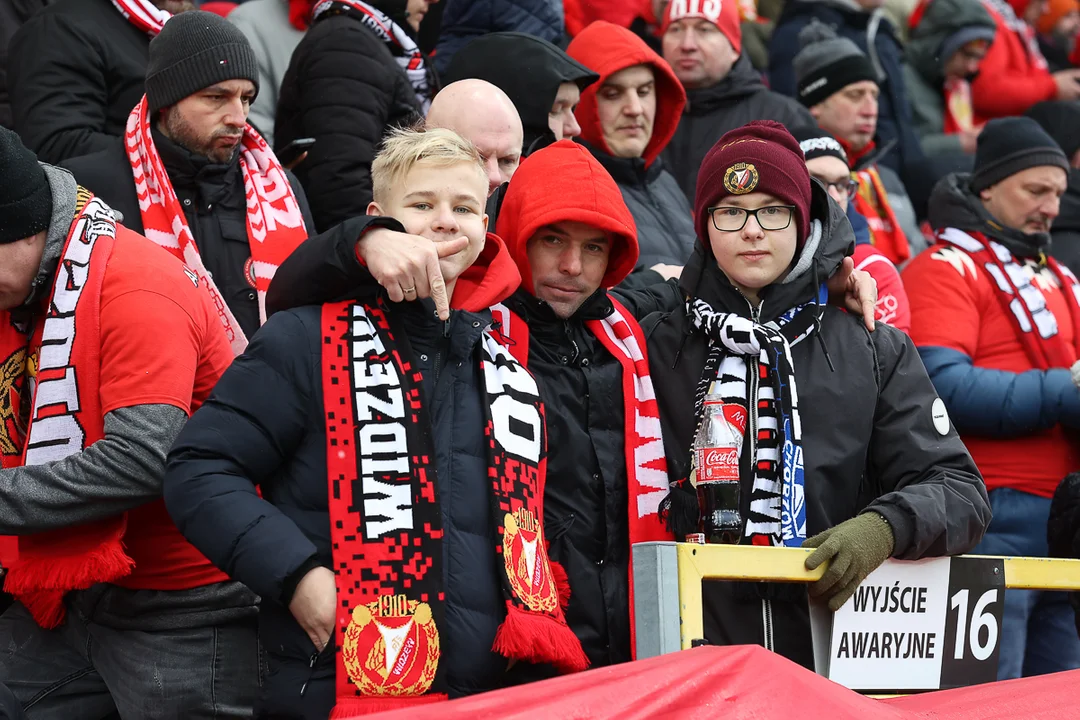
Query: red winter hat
{"x": 760, "y": 156}
{"x": 722, "y": 13}
{"x": 565, "y": 182}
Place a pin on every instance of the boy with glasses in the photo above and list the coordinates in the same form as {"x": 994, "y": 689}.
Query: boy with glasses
{"x": 828, "y": 164}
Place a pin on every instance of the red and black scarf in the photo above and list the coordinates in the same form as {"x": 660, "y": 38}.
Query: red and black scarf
{"x": 1023, "y": 300}
{"x": 872, "y": 202}
{"x": 646, "y": 463}
{"x": 59, "y": 364}
{"x": 386, "y": 528}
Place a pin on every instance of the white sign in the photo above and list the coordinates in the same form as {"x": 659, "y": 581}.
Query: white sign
{"x": 893, "y": 626}
{"x": 922, "y": 625}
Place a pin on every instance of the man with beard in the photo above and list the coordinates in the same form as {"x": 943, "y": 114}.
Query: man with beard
{"x": 997, "y": 324}
{"x": 76, "y": 69}
{"x": 190, "y": 162}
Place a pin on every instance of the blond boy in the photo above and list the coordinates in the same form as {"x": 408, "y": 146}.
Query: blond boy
{"x": 400, "y": 459}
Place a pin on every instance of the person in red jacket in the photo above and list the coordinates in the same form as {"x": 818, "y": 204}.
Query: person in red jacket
{"x": 997, "y": 325}
{"x": 107, "y": 345}
{"x": 828, "y": 164}
{"x": 1014, "y": 74}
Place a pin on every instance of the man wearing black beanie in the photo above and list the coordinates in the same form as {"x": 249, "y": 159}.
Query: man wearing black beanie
{"x": 106, "y": 346}
{"x": 997, "y": 323}
{"x": 190, "y": 161}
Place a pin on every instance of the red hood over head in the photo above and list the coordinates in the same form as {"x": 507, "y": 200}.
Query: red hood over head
{"x": 489, "y": 280}
{"x": 564, "y": 182}
{"x": 606, "y": 49}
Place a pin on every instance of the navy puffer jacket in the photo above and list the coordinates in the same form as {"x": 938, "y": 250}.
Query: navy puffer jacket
{"x": 464, "y": 20}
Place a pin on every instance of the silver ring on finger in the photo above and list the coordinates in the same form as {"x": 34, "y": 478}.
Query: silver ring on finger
{"x": 408, "y": 290}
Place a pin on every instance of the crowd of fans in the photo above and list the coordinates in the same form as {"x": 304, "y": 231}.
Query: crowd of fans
{"x": 348, "y": 346}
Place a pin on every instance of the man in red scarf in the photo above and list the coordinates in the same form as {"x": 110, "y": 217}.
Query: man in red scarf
{"x": 997, "y": 324}
{"x": 107, "y": 344}
{"x": 838, "y": 83}
{"x": 196, "y": 178}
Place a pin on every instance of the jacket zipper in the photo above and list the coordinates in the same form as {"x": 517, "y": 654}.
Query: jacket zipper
{"x": 767, "y": 623}
{"x": 311, "y": 671}
{"x": 438, "y": 352}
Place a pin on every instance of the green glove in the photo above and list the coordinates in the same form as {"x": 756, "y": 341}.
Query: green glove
{"x": 853, "y": 549}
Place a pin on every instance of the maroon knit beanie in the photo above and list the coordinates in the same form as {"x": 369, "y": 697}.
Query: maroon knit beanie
{"x": 760, "y": 156}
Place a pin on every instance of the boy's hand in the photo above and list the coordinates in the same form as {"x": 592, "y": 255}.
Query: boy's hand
{"x": 408, "y": 265}
{"x": 854, "y": 290}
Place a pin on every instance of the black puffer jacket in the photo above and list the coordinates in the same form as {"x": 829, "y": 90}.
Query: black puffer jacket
{"x": 214, "y": 204}
{"x": 264, "y": 425}
{"x": 661, "y": 212}
{"x": 13, "y": 13}
{"x": 882, "y": 452}
{"x": 345, "y": 89}
{"x": 710, "y": 112}
{"x": 75, "y": 71}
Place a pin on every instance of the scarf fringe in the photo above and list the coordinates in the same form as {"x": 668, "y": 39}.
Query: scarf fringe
{"x": 680, "y": 510}
{"x": 40, "y": 583}
{"x": 351, "y": 707}
{"x": 539, "y": 639}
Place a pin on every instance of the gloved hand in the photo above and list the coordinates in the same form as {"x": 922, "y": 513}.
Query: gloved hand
{"x": 854, "y": 549}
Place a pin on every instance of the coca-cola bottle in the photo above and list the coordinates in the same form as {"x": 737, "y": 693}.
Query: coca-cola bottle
{"x": 717, "y": 449}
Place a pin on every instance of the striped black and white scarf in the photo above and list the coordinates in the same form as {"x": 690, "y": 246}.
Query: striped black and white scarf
{"x": 777, "y": 501}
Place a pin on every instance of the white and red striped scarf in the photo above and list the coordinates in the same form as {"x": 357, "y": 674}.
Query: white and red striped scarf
{"x": 274, "y": 223}
{"x": 646, "y": 462}
{"x": 143, "y": 14}
{"x": 400, "y": 43}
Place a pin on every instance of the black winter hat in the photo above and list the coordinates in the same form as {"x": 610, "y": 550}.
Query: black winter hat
{"x": 193, "y": 51}
{"x": 815, "y": 143}
{"x": 25, "y": 197}
{"x": 1010, "y": 145}
{"x": 827, "y": 63}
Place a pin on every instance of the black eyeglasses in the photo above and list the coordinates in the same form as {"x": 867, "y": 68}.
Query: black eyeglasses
{"x": 846, "y": 187}
{"x": 732, "y": 219}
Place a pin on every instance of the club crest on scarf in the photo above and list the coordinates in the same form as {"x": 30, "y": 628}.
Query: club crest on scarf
{"x": 522, "y": 547}
{"x": 392, "y": 647}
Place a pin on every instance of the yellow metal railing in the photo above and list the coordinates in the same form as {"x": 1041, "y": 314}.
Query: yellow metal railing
{"x": 746, "y": 562}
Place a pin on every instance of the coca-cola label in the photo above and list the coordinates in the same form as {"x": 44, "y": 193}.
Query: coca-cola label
{"x": 719, "y": 460}
{"x": 718, "y": 465}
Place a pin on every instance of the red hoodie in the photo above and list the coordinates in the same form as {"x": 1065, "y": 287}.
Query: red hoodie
{"x": 565, "y": 182}
{"x": 1013, "y": 76}
{"x": 489, "y": 280}
{"x": 580, "y": 13}
{"x": 607, "y": 49}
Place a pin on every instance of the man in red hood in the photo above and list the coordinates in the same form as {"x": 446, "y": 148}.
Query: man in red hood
{"x": 627, "y": 118}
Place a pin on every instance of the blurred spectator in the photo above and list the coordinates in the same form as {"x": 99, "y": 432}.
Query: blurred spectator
{"x": 723, "y": 91}
{"x": 219, "y": 8}
{"x": 1014, "y": 75}
{"x": 862, "y": 22}
{"x": 828, "y": 164}
{"x": 108, "y": 347}
{"x": 485, "y": 116}
{"x": 1058, "y": 27}
{"x": 627, "y": 119}
{"x": 274, "y": 28}
{"x": 13, "y": 13}
{"x": 190, "y": 160}
{"x": 1063, "y": 529}
{"x": 543, "y": 82}
{"x": 76, "y": 69}
{"x": 582, "y": 13}
{"x": 464, "y": 20}
{"x": 998, "y": 327}
{"x": 948, "y": 42}
{"x": 1061, "y": 121}
{"x": 356, "y": 74}
{"x": 836, "y": 82}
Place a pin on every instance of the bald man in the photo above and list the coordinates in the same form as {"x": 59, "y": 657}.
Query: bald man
{"x": 484, "y": 115}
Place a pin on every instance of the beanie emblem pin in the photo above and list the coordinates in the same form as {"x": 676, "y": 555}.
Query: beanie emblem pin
{"x": 741, "y": 178}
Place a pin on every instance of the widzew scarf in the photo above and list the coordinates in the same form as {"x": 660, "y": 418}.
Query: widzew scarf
{"x": 1036, "y": 325}
{"x": 750, "y": 365}
{"x": 65, "y": 418}
{"x": 959, "y": 112}
{"x": 143, "y": 14}
{"x": 275, "y": 226}
{"x": 400, "y": 43}
{"x": 643, "y": 445}
{"x": 386, "y": 525}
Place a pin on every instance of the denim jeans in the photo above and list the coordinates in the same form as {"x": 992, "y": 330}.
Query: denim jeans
{"x": 86, "y": 670}
{"x": 1038, "y": 633}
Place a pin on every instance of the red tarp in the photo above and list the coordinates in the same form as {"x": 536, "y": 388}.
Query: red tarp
{"x": 747, "y": 683}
